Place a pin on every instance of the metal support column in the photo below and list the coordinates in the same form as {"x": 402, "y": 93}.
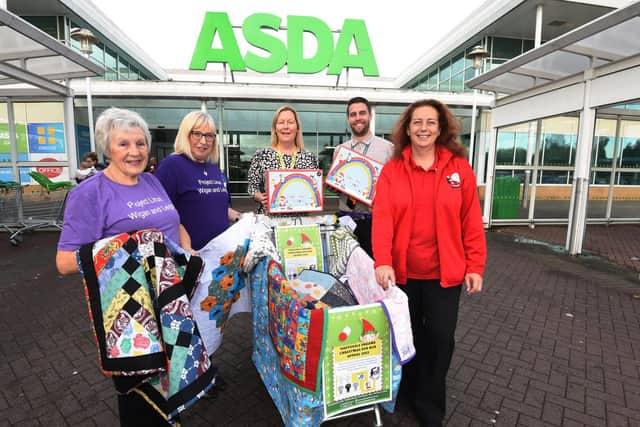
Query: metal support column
{"x": 491, "y": 172}
{"x": 70, "y": 134}
{"x": 580, "y": 195}
{"x": 222, "y": 163}
{"x": 538, "y": 35}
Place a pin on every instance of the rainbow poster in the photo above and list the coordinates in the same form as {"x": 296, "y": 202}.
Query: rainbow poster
{"x": 354, "y": 174}
{"x": 294, "y": 191}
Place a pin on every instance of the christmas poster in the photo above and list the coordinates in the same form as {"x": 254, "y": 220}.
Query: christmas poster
{"x": 300, "y": 248}
{"x": 357, "y": 358}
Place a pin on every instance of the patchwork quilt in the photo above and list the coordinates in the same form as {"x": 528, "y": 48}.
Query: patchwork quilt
{"x": 221, "y": 291}
{"x": 296, "y": 332}
{"x": 297, "y": 406}
{"x": 137, "y": 286}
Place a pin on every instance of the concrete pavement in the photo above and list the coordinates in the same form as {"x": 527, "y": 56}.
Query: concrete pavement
{"x": 553, "y": 340}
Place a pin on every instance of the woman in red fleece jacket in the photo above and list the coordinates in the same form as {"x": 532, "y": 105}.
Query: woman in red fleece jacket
{"x": 428, "y": 236}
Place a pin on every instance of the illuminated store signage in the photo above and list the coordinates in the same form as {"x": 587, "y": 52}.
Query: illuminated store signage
{"x": 258, "y": 31}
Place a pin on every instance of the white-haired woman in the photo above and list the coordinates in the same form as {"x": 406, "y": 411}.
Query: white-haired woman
{"x": 119, "y": 199}
{"x": 194, "y": 182}
{"x": 286, "y": 152}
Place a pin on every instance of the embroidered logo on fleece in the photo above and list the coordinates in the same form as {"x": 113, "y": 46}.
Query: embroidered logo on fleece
{"x": 454, "y": 180}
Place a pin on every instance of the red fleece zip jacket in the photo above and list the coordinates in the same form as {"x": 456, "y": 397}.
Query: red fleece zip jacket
{"x": 461, "y": 239}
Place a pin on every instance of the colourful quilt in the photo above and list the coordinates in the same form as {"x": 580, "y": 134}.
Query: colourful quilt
{"x": 296, "y": 332}
{"x": 297, "y": 406}
{"x": 137, "y": 287}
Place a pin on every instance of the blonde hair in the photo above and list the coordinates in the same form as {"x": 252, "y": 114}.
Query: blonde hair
{"x": 193, "y": 120}
{"x": 299, "y": 142}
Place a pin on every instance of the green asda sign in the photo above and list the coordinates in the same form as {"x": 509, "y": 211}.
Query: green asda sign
{"x": 258, "y": 30}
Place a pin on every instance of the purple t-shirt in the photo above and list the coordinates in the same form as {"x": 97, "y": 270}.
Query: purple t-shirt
{"x": 101, "y": 208}
{"x": 199, "y": 193}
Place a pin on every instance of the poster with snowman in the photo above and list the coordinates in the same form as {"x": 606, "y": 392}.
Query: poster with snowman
{"x": 300, "y": 248}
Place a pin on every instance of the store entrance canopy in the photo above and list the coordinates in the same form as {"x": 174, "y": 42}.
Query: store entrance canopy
{"x": 610, "y": 38}
{"x": 31, "y": 61}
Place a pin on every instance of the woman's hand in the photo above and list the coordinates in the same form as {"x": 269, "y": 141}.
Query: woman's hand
{"x": 473, "y": 283}
{"x": 185, "y": 240}
{"x": 385, "y": 276}
{"x": 260, "y": 198}
{"x": 234, "y": 215}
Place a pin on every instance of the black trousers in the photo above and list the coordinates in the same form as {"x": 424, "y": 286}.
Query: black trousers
{"x": 434, "y": 314}
{"x": 363, "y": 234}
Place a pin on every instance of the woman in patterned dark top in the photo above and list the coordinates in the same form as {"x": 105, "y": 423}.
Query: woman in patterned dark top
{"x": 286, "y": 152}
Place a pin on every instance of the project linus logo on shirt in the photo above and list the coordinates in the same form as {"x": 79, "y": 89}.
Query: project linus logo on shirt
{"x": 454, "y": 180}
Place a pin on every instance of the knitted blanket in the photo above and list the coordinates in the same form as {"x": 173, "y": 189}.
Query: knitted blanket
{"x": 137, "y": 286}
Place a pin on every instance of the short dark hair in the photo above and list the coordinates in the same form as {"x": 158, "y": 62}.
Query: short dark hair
{"x": 91, "y": 155}
{"x": 359, "y": 100}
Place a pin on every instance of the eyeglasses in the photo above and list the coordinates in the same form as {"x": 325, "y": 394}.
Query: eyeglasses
{"x": 209, "y": 137}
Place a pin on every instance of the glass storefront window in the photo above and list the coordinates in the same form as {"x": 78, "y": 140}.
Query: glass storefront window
{"x": 457, "y": 82}
{"x": 512, "y": 145}
{"x": 559, "y": 138}
{"x": 133, "y": 73}
{"x": 554, "y": 177}
{"x": 110, "y": 58}
{"x": 48, "y": 24}
{"x": 506, "y": 48}
{"x": 603, "y": 143}
{"x": 629, "y": 178}
{"x": 433, "y": 79}
{"x": 603, "y": 178}
{"x": 123, "y": 69}
{"x": 445, "y": 71}
{"x": 444, "y": 85}
{"x": 469, "y": 73}
{"x": 527, "y": 45}
{"x": 97, "y": 53}
{"x": 629, "y": 154}
{"x": 457, "y": 64}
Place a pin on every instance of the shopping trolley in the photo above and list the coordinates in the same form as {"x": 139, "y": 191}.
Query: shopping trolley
{"x": 10, "y": 205}
{"x": 36, "y": 211}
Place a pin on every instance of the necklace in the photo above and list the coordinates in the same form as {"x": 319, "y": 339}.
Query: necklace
{"x": 283, "y": 165}
{"x": 204, "y": 167}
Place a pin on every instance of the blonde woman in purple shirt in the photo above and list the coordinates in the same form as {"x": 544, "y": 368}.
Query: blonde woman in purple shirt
{"x": 194, "y": 182}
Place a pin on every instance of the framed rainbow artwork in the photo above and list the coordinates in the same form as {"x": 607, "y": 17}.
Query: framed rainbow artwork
{"x": 354, "y": 174}
{"x": 294, "y": 191}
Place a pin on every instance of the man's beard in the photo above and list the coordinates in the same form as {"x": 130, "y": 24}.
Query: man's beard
{"x": 365, "y": 130}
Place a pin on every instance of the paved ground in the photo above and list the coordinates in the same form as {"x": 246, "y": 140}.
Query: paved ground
{"x": 553, "y": 341}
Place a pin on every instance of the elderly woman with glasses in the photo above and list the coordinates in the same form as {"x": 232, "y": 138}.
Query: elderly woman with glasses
{"x": 195, "y": 183}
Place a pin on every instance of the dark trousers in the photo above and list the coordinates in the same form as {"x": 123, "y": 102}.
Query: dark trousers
{"x": 363, "y": 234}
{"x": 136, "y": 412}
{"x": 434, "y": 314}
